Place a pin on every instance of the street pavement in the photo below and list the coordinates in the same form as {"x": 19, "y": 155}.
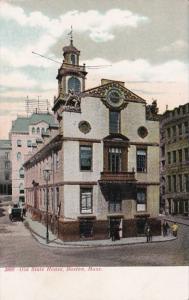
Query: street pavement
{"x": 18, "y": 248}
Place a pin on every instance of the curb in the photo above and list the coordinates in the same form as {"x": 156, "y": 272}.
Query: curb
{"x": 69, "y": 245}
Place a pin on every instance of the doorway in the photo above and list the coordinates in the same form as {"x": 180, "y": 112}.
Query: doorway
{"x": 116, "y": 227}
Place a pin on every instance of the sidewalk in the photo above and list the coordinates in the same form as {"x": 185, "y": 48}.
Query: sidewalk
{"x": 38, "y": 230}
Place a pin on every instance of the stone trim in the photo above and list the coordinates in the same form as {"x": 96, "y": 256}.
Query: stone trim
{"x": 81, "y": 140}
{"x": 144, "y": 144}
{"x": 62, "y": 183}
{"x": 147, "y": 183}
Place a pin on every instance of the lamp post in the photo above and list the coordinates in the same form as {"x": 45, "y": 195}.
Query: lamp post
{"x": 47, "y": 174}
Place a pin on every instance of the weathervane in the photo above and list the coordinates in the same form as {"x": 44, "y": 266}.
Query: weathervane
{"x": 71, "y": 35}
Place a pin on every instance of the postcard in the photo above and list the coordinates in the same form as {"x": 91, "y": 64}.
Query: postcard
{"x": 94, "y": 150}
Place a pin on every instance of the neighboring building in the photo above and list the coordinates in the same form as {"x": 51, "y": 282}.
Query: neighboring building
{"x": 174, "y": 144}
{"x": 104, "y": 159}
{"x": 5, "y": 170}
{"x": 25, "y": 133}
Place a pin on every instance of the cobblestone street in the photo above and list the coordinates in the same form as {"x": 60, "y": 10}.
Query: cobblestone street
{"x": 19, "y": 248}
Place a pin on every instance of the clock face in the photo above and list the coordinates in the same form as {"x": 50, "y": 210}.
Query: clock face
{"x": 114, "y": 97}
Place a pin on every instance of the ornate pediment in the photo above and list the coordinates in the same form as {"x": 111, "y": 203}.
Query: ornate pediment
{"x": 114, "y": 95}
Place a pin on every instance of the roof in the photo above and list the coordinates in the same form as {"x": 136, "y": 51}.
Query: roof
{"x": 21, "y": 124}
{"x": 70, "y": 48}
{"x": 99, "y": 90}
{"x": 5, "y": 144}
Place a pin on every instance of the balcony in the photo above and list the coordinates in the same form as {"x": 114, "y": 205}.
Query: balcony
{"x": 118, "y": 177}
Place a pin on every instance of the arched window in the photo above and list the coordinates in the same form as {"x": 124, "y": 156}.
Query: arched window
{"x": 38, "y": 130}
{"x": 21, "y": 172}
{"x": 42, "y": 130}
{"x": 74, "y": 84}
{"x": 21, "y": 188}
{"x": 33, "y": 130}
{"x": 73, "y": 59}
{"x": 19, "y": 155}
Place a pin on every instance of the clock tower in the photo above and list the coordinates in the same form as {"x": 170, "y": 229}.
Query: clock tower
{"x": 71, "y": 76}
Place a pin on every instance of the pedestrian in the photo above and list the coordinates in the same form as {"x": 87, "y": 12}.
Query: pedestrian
{"x": 164, "y": 227}
{"x": 9, "y": 211}
{"x": 167, "y": 228}
{"x": 117, "y": 236}
{"x": 175, "y": 229}
{"x": 112, "y": 233}
{"x": 148, "y": 234}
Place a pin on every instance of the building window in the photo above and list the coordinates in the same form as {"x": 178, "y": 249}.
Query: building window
{"x": 174, "y": 156}
{"x": 73, "y": 59}
{"x": 85, "y": 158}
{"x": 33, "y": 130}
{"x": 174, "y": 183}
{"x": 29, "y": 143}
{"x": 168, "y": 132}
{"x": 56, "y": 160}
{"x": 141, "y": 160}
{"x": 6, "y": 155}
{"x": 163, "y": 151}
{"x": 21, "y": 188}
{"x": 7, "y": 164}
{"x": 114, "y": 160}
{"x": 19, "y": 156}
{"x": 169, "y": 183}
{"x": 114, "y": 121}
{"x": 74, "y": 84}
{"x": 174, "y": 130}
{"x": 169, "y": 157}
{"x": 38, "y": 130}
{"x": 186, "y": 154}
{"x": 57, "y": 201}
{"x": 186, "y": 177}
{"x": 141, "y": 200}
{"x": 19, "y": 143}
{"x": 44, "y": 196}
{"x": 180, "y": 129}
{"x": 21, "y": 172}
{"x": 186, "y": 127}
{"x": 7, "y": 176}
{"x": 115, "y": 202}
{"x": 180, "y": 182}
{"x": 180, "y": 155}
{"x": 86, "y": 201}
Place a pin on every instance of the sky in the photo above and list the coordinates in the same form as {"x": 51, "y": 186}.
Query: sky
{"x": 145, "y": 42}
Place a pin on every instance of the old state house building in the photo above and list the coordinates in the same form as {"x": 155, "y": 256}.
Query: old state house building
{"x": 103, "y": 158}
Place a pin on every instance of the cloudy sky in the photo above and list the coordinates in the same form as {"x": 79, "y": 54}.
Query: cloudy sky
{"x": 146, "y": 43}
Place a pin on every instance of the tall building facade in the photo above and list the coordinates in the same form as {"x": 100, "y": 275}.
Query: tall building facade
{"x": 104, "y": 159}
{"x": 5, "y": 170}
{"x": 174, "y": 131}
{"x": 25, "y": 134}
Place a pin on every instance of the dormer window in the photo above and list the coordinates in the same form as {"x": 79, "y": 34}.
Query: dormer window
{"x": 33, "y": 130}
{"x": 74, "y": 84}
